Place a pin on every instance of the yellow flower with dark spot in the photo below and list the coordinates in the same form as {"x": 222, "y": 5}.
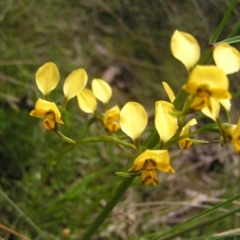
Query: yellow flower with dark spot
{"x": 186, "y": 143}
{"x": 206, "y": 83}
{"x": 49, "y": 111}
{"x": 149, "y": 162}
{"x": 111, "y": 119}
{"x": 232, "y": 132}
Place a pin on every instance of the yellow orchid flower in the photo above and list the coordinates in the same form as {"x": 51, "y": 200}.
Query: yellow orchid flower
{"x": 87, "y": 102}
{"x": 212, "y": 111}
{"x": 49, "y": 111}
{"x": 150, "y": 161}
{"x": 74, "y": 83}
{"x": 207, "y": 83}
{"x": 133, "y": 119}
{"x": 47, "y": 78}
{"x": 111, "y": 118}
{"x": 101, "y": 90}
{"x": 233, "y": 134}
{"x": 186, "y": 143}
{"x": 186, "y": 49}
{"x": 165, "y": 123}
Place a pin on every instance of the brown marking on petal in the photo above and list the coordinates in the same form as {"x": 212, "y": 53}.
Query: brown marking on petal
{"x": 48, "y": 125}
{"x": 171, "y": 170}
{"x": 203, "y": 91}
{"x": 212, "y": 46}
{"x": 51, "y": 115}
{"x": 146, "y": 179}
{"x": 150, "y": 164}
{"x": 150, "y": 179}
{"x": 113, "y": 126}
{"x": 228, "y": 136}
{"x": 200, "y": 105}
{"x": 155, "y": 181}
{"x": 187, "y": 144}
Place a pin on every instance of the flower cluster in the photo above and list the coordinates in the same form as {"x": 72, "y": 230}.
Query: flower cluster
{"x": 47, "y": 78}
{"x": 87, "y": 101}
{"x": 206, "y": 89}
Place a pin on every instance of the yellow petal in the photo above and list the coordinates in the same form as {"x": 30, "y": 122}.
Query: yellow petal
{"x": 227, "y": 58}
{"x": 229, "y": 131}
{"x": 156, "y": 155}
{"x": 236, "y": 138}
{"x": 162, "y": 160}
{"x": 133, "y": 119}
{"x": 43, "y": 108}
{"x": 212, "y": 110}
{"x": 111, "y": 119}
{"x": 49, "y": 124}
{"x": 169, "y": 92}
{"x": 185, "y": 48}
{"x": 236, "y": 133}
{"x": 165, "y": 123}
{"x": 101, "y": 90}
{"x": 149, "y": 177}
{"x": 236, "y": 146}
{"x": 199, "y": 102}
{"x": 209, "y": 78}
{"x": 74, "y": 83}
{"x": 185, "y": 143}
{"x": 226, "y": 103}
{"x": 87, "y": 102}
{"x": 47, "y": 78}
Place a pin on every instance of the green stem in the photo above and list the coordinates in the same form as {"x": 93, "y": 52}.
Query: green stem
{"x": 116, "y": 197}
{"x": 23, "y": 215}
{"x": 196, "y": 219}
{"x": 200, "y": 225}
{"x": 224, "y": 21}
{"x": 105, "y": 138}
{"x": 137, "y": 146}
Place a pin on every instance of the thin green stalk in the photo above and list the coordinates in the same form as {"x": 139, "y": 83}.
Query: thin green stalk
{"x": 137, "y": 146}
{"x": 199, "y": 225}
{"x": 105, "y": 138}
{"x": 116, "y": 197}
{"x": 197, "y": 218}
{"x": 224, "y": 21}
{"x": 23, "y": 215}
{"x": 152, "y": 140}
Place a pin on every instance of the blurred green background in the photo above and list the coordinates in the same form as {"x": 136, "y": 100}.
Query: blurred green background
{"x": 51, "y": 190}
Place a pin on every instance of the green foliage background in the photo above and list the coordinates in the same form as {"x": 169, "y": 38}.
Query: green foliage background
{"x": 48, "y": 186}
